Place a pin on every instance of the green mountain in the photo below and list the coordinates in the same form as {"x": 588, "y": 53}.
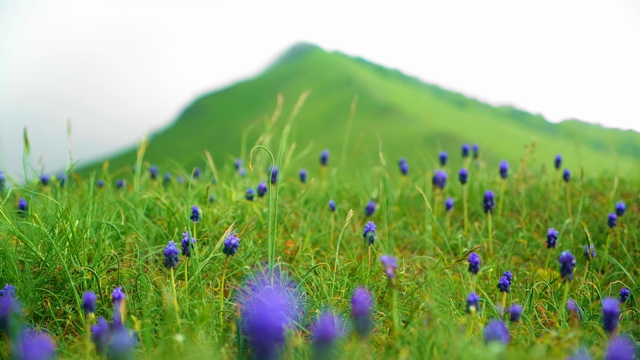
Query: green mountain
{"x": 395, "y": 112}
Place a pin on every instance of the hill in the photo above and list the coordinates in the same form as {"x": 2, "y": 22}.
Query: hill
{"x": 406, "y": 117}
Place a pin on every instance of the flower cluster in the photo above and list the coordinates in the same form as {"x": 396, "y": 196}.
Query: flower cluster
{"x": 324, "y": 158}
{"x": 404, "y": 166}
{"x": 171, "y": 258}
{"x": 188, "y": 243}
{"x": 552, "y": 238}
{"x": 448, "y": 204}
{"x": 567, "y": 264}
{"x": 369, "y": 233}
{"x": 474, "y": 263}
{"x": 496, "y": 330}
{"x": 504, "y": 169}
{"x": 195, "y": 214}
{"x": 361, "y": 307}
{"x": 488, "y": 202}
{"x": 332, "y": 205}
{"x": 443, "y": 158}
{"x": 370, "y": 208}
{"x": 439, "y": 179}
{"x": 262, "y": 189}
{"x": 303, "y": 176}
{"x": 390, "y": 264}
{"x": 231, "y": 244}
{"x": 463, "y": 176}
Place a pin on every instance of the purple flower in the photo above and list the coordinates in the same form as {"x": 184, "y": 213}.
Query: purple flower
{"x": 262, "y": 189}
{"x": 100, "y": 334}
{"x": 153, "y": 172}
{"x": 474, "y": 263}
{"x": 448, "y": 204}
{"x": 326, "y": 330}
{"x": 552, "y": 238}
{"x": 369, "y": 233}
{"x": 566, "y": 175}
{"x": 496, "y": 330}
{"x": 118, "y": 296}
{"x": 89, "y": 302}
{"x": 196, "y": 173}
{"x": 515, "y": 312}
{"x": 620, "y": 208}
{"x": 567, "y": 264}
{"x": 274, "y": 175}
{"x": 610, "y": 314}
{"x": 303, "y": 176}
{"x": 404, "y": 166}
{"x": 370, "y": 208}
{"x": 624, "y": 294}
{"x": 332, "y": 205}
{"x": 589, "y": 255}
{"x": 242, "y": 172}
{"x": 443, "y": 158}
{"x": 558, "y": 161}
{"x": 188, "y": 243}
{"x": 324, "y": 157}
{"x": 504, "y": 169}
{"x": 167, "y": 179}
{"x": 195, "y": 214}
{"x": 473, "y": 303}
{"x": 171, "y": 258}
{"x": 504, "y": 284}
{"x": 100, "y": 183}
{"x": 390, "y": 264}
{"x": 44, "y": 179}
{"x": 10, "y": 311}
{"x": 34, "y": 345}
{"x": 507, "y": 274}
{"x": 573, "y": 308}
{"x": 621, "y": 348}
{"x": 580, "y": 354}
{"x": 112, "y": 339}
{"x": 489, "y": 201}
{"x": 231, "y": 244}
{"x": 361, "y": 306}
{"x": 465, "y": 150}
{"x": 23, "y": 206}
{"x": 463, "y": 176}
{"x": 237, "y": 164}
{"x": 476, "y": 150}
{"x": 249, "y": 194}
{"x": 62, "y": 178}
{"x": 439, "y": 179}
{"x": 612, "y": 220}
{"x": 120, "y": 183}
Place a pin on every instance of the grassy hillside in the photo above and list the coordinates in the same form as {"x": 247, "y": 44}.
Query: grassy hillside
{"x": 404, "y": 116}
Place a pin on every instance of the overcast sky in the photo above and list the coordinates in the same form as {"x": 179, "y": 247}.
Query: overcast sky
{"x": 118, "y": 69}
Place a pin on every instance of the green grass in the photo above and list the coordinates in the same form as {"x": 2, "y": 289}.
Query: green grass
{"x": 81, "y": 237}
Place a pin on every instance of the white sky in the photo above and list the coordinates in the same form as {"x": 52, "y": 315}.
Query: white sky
{"x": 119, "y": 69}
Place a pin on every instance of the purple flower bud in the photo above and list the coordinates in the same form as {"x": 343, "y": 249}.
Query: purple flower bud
{"x": 188, "y": 243}
{"x": 390, "y": 264}
{"x": 100, "y": 335}
{"x": 62, "y": 178}
{"x": 476, "y": 150}
{"x": 620, "y": 208}
{"x": 370, "y": 208}
{"x": 35, "y": 345}
{"x": 504, "y": 284}
{"x": 100, "y": 183}
{"x": 89, "y": 302}
{"x": 23, "y": 206}
{"x": 612, "y": 220}
{"x": 496, "y": 330}
{"x": 443, "y": 158}
{"x": 621, "y": 348}
{"x": 515, "y": 312}
{"x": 610, "y": 314}
{"x": 10, "y": 311}
{"x": 474, "y": 263}
{"x": 237, "y": 164}
{"x": 369, "y": 233}
{"x": 504, "y": 169}
{"x": 231, "y": 244}
{"x": 489, "y": 201}
{"x": 153, "y": 172}
{"x": 552, "y": 238}
{"x": 465, "y": 150}
{"x": 196, "y": 173}
{"x": 44, "y": 179}
{"x": 167, "y": 179}
{"x": 473, "y": 303}
{"x": 242, "y": 172}
{"x": 250, "y": 194}
{"x": 507, "y": 274}
{"x": 404, "y": 167}
{"x": 567, "y": 264}
{"x": 332, "y": 205}
{"x": 324, "y": 157}
{"x": 463, "y": 176}
{"x": 624, "y": 294}
{"x": 262, "y": 189}
{"x": 303, "y": 176}
{"x": 171, "y": 258}
{"x": 558, "y": 161}
{"x": 589, "y": 255}
{"x": 573, "y": 308}
{"x": 274, "y": 175}
{"x": 361, "y": 306}
{"x": 448, "y": 204}
{"x": 180, "y": 179}
{"x": 439, "y": 179}
{"x": 566, "y": 175}
{"x": 326, "y": 330}
{"x": 120, "y": 183}
{"x": 195, "y": 214}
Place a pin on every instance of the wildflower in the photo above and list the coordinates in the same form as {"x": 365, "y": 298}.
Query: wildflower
{"x": 44, "y": 179}
{"x": 448, "y": 204}
{"x": 34, "y": 345}
{"x": 231, "y": 244}
{"x": 404, "y": 166}
{"x": 612, "y": 220}
{"x": 558, "y": 161}
{"x": 489, "y": 201}
{"x": 610, "y": 314}
{"x": 112, "y": 340}
{"x": 361, "y": 306}
{"x": 188, "y": 243}
{"x": 100, "y": 334}
{"x": 369, "y": 233}
{"x": 118, "y": 296}
{"x": 573, "y": 308}
{"x": 620, "y": 208}
{"x": 167, "y": 179}
{"x": 370, "y": 208}
{"x": 196, "y": 173}
{"x": 621, "y": 348}
{"x": 465, "y": 150}
{"x": 552, "y": 238}
{"x": 566, "y": 175}
{"x": 504, "y": 284}
{"x": 23, "y": 206}
{"x": 476, "y": 150}
{"x": 120, "y": 183}
{"x": 89, "y": 302}
{"x": 274, "y": 175}
{"x": 473, "y": 303}
{"x": 624, "y": 294}
{"x": 390, "y": 264}
{"x": 332, "y": 205}
{"x": 504, "y": 169}
{"x": 580, "y": 354}
{"x": 303, "y": 176}
{"x": 507, "y": 274}
{"x": 100, "y": 183}
{"x": 195, "y": 214}
{"x": 589, "y": 255}
{"x": 463, "y": 176}
{"x": 249, "y": 194}
{"x": 180, "y": 179}
{"x": 474, "y": 263}
{"x": 515, "y": 312}
{"x": 153, "y": 172}
{"x": 324, "y": 157}
{"x": 567, "y": 264}
{"x": 237, "y": 164}
{"x": 439, "y": 179}
{"x": 62, "y": 179}
{"x": 242, "y": 172}
{"x": 262, "y": 189}
{"x": 10, "y": 311}
{"x": 496, "y": 330}
{"x": 171, "y": 258}
{"x": 443, "y": 158}
{"x": 326, "y": 330}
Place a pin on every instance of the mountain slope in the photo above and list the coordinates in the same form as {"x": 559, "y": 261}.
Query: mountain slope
{"x": 411, "y": 119}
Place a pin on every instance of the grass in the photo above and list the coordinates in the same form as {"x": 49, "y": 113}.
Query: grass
{"x": 80, "y": 237}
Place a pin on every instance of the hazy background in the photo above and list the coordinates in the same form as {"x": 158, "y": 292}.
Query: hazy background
{"x": 118, "y": 69}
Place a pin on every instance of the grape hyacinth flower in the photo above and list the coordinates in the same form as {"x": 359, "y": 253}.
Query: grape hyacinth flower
{"x": 612, "y": 220}
{"x": 448, "y": 204}
{"x": 324, "y": 157}
{"x": 589, "y": 252}
{"x": 610, "y": 314}
{"x": 10, "y": 311}
{"x": 566, "y": 175}
{"x": 390, "y": 264}
{"x": 262, "y": 189}
{"x": 34, "y": 345}
{"x": 507, "y": 274}
{"x": 552, "y": 238}
{"x": 504, "y": 169}
{"x": 573, "y": 308}
{"x": 624, "y": 294}
{"x": 100, "y": 183}
{"x": 167, "y": 179}
{"x": 89, "y": 302}
{"x": 404, "y": 166}
{"x": 44, "y": 179}
{"x": 120, "y": 183}
{"x": 473, "y": 303}
{"x": 303, "y": 176}
{"x": 515, "y": 312}
{"x": 188, "y": 243}
{"x": 231, "y": 244}
{"x": 171, "y": 258}
{"x": 195, "y": 214}
{"x": 118, "y": 296}
{"x": 443, "y": 158}
{"x": 474, "y": 263}
{"x": 489, "y": 201}
{"x": 274, "y": 175}
{"x": 463, "y": 176}
{"x": 249, "y": 194}
{"x": 369, "y": 233}
{"x": 325, "y": 331}
{"x": 496, "y": 330}
{"x": 620, "y": 208}
{"x": 361, "y": 307}
{"x": 567, "y": 264}
{"x": 476, "y": 150}
{"x": 504, "y": 284}
{"x": 113, "y": 340}
{"x": 153, "y": 172}
{"x": 558, "y": 161}
{"x": 237, "y": 164}
{"x": 580, "y": 354}
{"x": 100, "y": 335}
{"x": 23, "y": 206}
{"x": 465, "y": 151}
{"x": 621, "y": 348}
{"x": 242, "y": 172}
{"x": 439, "y": 179}
{"x": 370, "y": 208}
{"x": 332, "y": 205}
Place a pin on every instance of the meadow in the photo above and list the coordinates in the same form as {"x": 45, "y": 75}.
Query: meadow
{"x": 291, "y": 260}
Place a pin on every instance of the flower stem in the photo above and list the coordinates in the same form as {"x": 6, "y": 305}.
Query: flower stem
{"x": 175, "y": 297}
{"x": 490, "y": 234}
{"x": 224, "y": 273}
{"x": 568, "y": 192}
{"x": 562, "y": 309}
{"x": 464, "y": 206}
